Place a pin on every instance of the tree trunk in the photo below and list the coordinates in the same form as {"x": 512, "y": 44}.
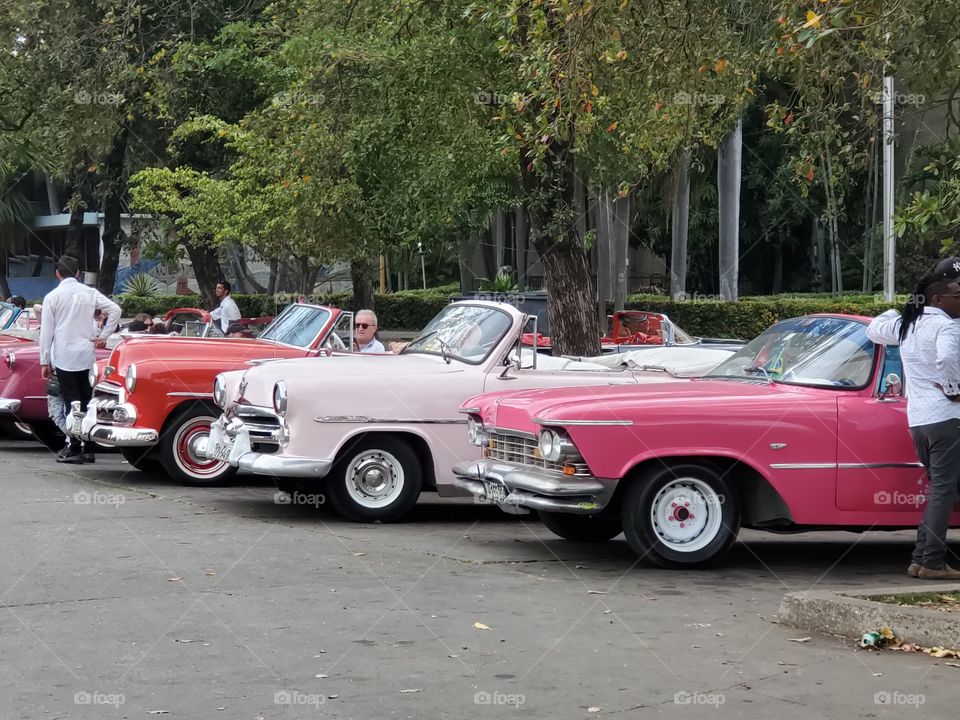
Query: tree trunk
{"x": 112, "y": 237}
{"x": 465, "y": 246}
{"x": 777, "y": 285}
{"x": 4, "y": 283}
{"x": 679, "y": 231}
{"x": 621, "y": 256}
{"x": 206, "y": 268}
{"x": 272, "y": 282}
{"x": 73, "y": 245}
{"x": 728, "y": 201}
{"x": 38, "y": 265}
{"x": 362, "y": 273}
{"x": 523, "y": 242}
{"x": 571, "y": 293}
{"x": 604, "y": 252}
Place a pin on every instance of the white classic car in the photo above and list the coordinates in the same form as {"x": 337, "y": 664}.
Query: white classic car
{"x": 372, "y": 431}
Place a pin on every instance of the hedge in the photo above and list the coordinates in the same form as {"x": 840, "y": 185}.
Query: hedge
{"x": 413, "y": 309}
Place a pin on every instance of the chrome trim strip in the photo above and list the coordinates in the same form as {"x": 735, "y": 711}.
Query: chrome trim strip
{"x": 208, "y": 395}
{"x": 852, "y": 466}
{"x": 34, "y": 397}
{"x": 508, "y": 431}
{"x": 470, "y": 410}
{"x": 107, "y": 388}
{"x": 804, "y": 466}
{"x": 383, "y": 421}
{"x": 544, "y": 421}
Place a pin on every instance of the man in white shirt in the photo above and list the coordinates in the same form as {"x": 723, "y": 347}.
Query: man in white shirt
{"x": 929, "y": 338}
{"x": 365, "y": 333}
{"x": 228, "y": 312}
{"x": 66, "y": 335}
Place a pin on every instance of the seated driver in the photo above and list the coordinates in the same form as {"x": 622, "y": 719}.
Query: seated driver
{"x": 365, "y": 333}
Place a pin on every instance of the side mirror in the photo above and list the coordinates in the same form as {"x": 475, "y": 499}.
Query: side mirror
{"x": 894, "y": 387}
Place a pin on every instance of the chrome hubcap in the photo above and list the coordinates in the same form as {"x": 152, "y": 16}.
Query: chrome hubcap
{"x": 686, "y": 514}
{"x": 374, "y": 478}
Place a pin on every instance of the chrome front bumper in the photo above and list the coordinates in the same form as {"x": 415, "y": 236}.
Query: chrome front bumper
{"x": 535, "y": 489}
{"x": 86, "y": 426}
{"x": 9, "y": 406}
{"x": 230, "y": 441}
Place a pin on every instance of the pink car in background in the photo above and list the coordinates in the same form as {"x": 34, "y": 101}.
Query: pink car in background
{"x": 803, "y": 428}
{"x": 370, "y": 432}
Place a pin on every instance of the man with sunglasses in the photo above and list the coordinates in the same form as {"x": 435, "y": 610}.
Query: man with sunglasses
{"x": 365, "y": 333}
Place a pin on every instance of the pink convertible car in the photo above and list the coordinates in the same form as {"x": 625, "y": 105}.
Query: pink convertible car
{"x": 803, "y": 428}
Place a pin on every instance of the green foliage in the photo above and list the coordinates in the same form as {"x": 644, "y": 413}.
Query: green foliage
{"x": 502, "y": 283}
{"x": 141, "y": 286}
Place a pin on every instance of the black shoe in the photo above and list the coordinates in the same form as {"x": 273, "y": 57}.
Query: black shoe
{"x": 88, "y": 458}
{"x": 74, "y": 457}
{"x": 63, "y": 453}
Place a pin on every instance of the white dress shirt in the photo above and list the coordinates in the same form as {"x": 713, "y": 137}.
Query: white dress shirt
{"x": 374, "y": 346}
{"x": 66, "y": 324}
{"x": 931, "y": 358}
{"x": 227, "y": 313}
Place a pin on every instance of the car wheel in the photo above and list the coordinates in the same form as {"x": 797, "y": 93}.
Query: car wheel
{"x": 16, "y": 431}
{"x": 582, "y": 528}
{"x": 137, "y": 457}
{"x": 377, "y": 478}
{"x": 681, "y": 516}
{"x": 180, "y": 445}
{"x": 48, "y": 435}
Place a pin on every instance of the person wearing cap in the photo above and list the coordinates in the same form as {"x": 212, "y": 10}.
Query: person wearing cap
{"x": 929, "y": 338}
{"x": 66, "y": 335}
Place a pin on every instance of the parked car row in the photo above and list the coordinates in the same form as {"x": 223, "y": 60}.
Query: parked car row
{"x": 676, "y": 444}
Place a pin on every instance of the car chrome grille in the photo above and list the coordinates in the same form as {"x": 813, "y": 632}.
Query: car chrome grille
{"x": 264, "y": 426}
{"x": 523, "y": 450}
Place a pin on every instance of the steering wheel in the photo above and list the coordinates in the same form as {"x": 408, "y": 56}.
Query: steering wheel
{"x": 844, "y": 382}
{"x": 335, "y": 342}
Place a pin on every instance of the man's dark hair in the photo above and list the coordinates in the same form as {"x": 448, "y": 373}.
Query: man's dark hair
{"x": 68, "y": 266}
{"x": 18, "y": 301}
{"x": 136, "y": 326}
{"x": 933, "y": 283}
{"x": 226, "y": 285}
{"x": 159, "y": 327}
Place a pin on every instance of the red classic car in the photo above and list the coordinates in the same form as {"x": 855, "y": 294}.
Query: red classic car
{"x": 805, "y": 427}
{"x": 154, "y": 399}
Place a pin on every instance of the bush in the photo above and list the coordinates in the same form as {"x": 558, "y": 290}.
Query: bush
{"x": 413, "y": 309}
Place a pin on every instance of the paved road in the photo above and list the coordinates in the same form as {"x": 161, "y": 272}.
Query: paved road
{"x": 124, "y": 595}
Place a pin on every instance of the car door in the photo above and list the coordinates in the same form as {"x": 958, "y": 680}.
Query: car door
{"x": 877, "y": 469}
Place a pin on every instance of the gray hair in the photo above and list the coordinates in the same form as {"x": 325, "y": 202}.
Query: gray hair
{"x": 365, "y": 311}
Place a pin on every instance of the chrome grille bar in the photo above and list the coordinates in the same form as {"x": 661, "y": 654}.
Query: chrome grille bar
{"x": 523, "y": 450}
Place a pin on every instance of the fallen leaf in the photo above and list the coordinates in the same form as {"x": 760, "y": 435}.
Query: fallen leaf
{"x": 786, "y": 664}
{"x": 321, "y": 676}
{"x": 593, "y": 709}
{"x": 332, "y": 697}
{"x": 956, "y": 665}
{"x": 158, "y": 712}
{"x": 453, "y": 656}
{"x": 411, "y": 690}
{"x": 176, "y": 579}
{"x": 185, "y": 641}
{"x": 803, "y": 639}
{"x": 481, "y": 626}
{"x": 597, "y": 592}
{"x": 359, "y": 554}
{"x": 607, "y": 612}
{"x": 878, "y": 674}
{"x": 210, "y": 573}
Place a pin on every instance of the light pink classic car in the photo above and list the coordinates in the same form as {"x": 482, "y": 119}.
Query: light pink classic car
{"x": 371, "y": 431}
{"x": 803, "y": 428}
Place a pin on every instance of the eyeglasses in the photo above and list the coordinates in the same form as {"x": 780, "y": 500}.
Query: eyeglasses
{"x": 363, "y": 326}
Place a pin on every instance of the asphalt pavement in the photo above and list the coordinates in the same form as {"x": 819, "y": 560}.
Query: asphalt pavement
{"x": 124, "y": 595}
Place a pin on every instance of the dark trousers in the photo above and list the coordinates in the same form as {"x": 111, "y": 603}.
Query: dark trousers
{"x": 75, "y": 385}
{"x": 938, "y": 447}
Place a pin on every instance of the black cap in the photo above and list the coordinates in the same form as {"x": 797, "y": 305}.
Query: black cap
{"x": 948, "y": 268}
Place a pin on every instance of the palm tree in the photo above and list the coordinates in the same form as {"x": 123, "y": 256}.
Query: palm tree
{"x": 16, "y": 162}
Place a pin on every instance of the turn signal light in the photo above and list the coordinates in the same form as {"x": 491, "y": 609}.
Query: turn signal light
{"x": 569, "y": 470}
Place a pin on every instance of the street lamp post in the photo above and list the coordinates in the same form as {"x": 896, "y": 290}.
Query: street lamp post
{"x": 889, "y": 240}
{"x": 423, "y": 264}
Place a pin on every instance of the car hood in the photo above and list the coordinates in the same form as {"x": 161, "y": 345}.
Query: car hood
{"x": 623, "y": 403}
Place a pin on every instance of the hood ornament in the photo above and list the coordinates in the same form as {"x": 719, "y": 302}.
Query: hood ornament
{"x": 242, "y": 388}
{"x": 773, "y": 446}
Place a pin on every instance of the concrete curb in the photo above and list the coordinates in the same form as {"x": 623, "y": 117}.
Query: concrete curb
{"x": 851, "y": 614}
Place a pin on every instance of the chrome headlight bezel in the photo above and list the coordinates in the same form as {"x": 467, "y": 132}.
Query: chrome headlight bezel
{"x": 92, "y": 376}
{"x": 549, "y": 445}
{"x": 130, "y": 379}
{"x": 280, "y": 398}
{"x": 11, "y": 360}
{"x": 476, "y": 432}
{"x": 220, "y": 392}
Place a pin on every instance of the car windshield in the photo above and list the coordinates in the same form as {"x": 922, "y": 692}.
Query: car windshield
{"x": 463, "y": 332}
{"x": 813, "y": 351}
{"x": 7, "y": 313}
{"x": 297, "y": 325}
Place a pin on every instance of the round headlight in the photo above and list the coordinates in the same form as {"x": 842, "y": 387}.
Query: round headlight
{"x": 220, "y": 392}
{"x": 130, "y": 381}
{"x": 475, "y": 432}
{"x": 11, "y": 360}
{"x": 280, "y": 398}
{"x": 549, "y": 445}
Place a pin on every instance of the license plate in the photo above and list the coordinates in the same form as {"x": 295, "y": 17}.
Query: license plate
{"x": 221, "y": 451}
{"x": 495, "y": 492}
